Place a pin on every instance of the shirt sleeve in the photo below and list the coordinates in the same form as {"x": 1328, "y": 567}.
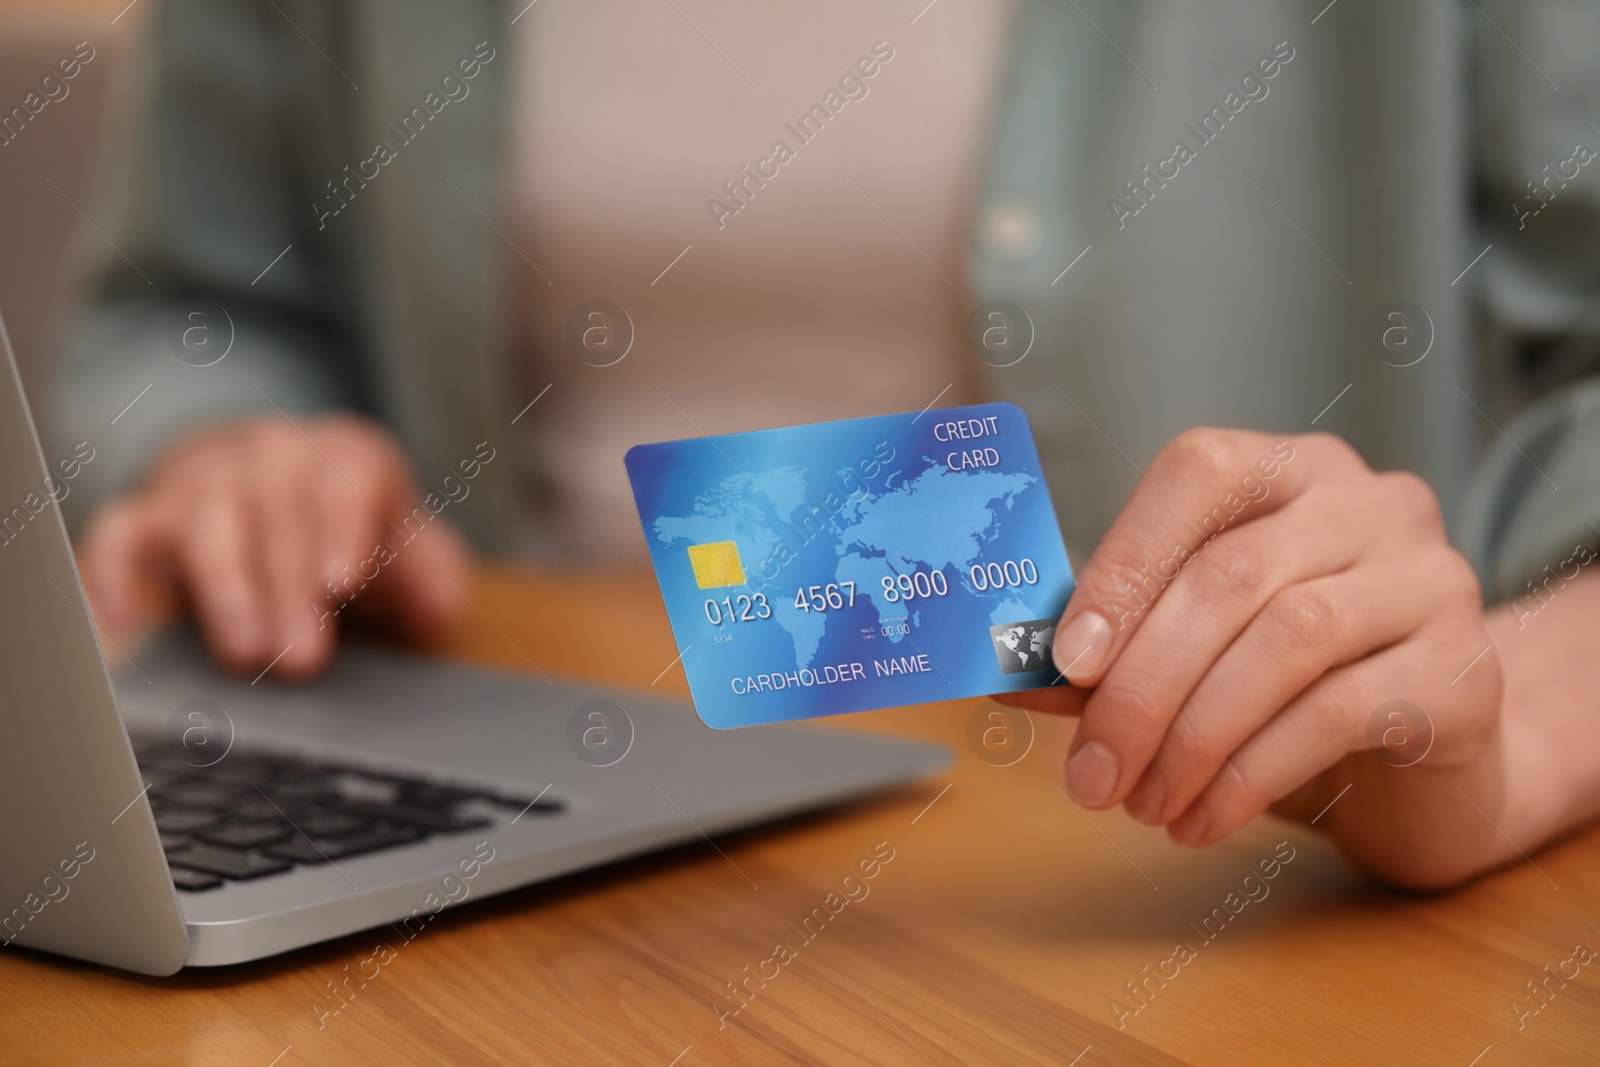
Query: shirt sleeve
{"x": 210, "y": 292}
{"x": 1533, "y": 506}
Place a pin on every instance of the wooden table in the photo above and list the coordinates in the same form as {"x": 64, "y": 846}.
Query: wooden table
{"x": 1002, "y": 932}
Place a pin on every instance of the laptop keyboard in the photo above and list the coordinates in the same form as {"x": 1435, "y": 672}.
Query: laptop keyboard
{"x": 254, "y": 814}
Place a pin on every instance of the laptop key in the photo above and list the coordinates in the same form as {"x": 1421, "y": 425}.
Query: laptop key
{"x": 254, "y": 807}
{"x": 229, "y": 863}
{"x": 534, "y": 806}
{"x": 245, "y": 835}
{"x": 208, "y": 795}
{"x": 160, "y": 779}
{"x": 364, "y": 788}
{"x": 172, "y": 760}
{"x": 287, "y": 793}
{"x": 318, "y": 850}
{"x": 184, "y": 820}
{"x": 427, "y": 795}
{"x": 280, "y": 805}
{"x": 442, "y": 822}
{"x": 333, "y": 824}
{"x": 302, "y": 849}
{"x": 193, "y": 881}
{"x": 242, "y": 770}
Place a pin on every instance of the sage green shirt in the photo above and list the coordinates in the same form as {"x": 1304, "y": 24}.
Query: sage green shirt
{"x": 1209, "y": 214}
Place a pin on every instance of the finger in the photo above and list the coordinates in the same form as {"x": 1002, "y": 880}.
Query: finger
{"x": 1323, "y": 725}
{"x": 216, "y": 565}
{"x": 1218, "y": 594}
{"x": 286, "y": 522}
{"x": 1204, "y": 609}
{"x": 125, "y": 540}
{"x": 425, "y": 580}
{"x": 1202, "y": 483}
{"x": 350, "y": 520}
{"x": 391, "y": 555}
{"x": 1307, "y": 630}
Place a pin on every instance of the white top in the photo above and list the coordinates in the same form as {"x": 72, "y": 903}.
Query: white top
{"x": 832, "y": 286}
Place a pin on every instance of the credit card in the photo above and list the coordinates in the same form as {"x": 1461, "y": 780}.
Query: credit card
{"x": 867, "y": 563}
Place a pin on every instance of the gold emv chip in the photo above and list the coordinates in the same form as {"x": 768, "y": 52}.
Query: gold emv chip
{"x": 716, "y": 564}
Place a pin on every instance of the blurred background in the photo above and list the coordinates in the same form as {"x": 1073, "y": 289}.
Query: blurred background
{"x": 57, "y": 146}
{"x": 1383, "y": 171}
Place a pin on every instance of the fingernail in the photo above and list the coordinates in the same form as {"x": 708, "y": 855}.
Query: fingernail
{"x": 1145, "y": 802}
{"x": 1081, "y": 647}
{"x": 1092, "y": 774}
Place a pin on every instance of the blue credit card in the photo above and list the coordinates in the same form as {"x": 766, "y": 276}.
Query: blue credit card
{"x": 868, "y": 563}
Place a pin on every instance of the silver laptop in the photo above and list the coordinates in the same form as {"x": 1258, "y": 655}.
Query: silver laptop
{"x": 161, "y": 814}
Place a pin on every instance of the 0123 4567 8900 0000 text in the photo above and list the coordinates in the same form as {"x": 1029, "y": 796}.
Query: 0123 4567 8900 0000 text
{"x": 857, "y": 564}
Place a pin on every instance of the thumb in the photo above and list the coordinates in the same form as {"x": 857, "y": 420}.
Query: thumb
{"x": 1203, "y": 483}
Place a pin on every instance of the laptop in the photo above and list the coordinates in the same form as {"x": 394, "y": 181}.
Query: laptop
{"x": 156, "y": 813}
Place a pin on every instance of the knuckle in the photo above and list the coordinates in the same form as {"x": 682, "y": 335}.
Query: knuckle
{"x": 193, "y": 481}
{"x": 1479, "y": 720}
{"x": 196, "y": 459}
{"x": 264, "y": 432}
{"x": 1339, "y": 706}
{"x": 1242, "y": 788}
{"x": 1458, "y": 579}
{"x": 348, "y": 429}
{"x": 1128, "y": 699}
{"x": 1309, "y": 615}
{"x": 1229, "y": 568}
{"x": 1189, "y": 746}
{"x": 1116, "y": 585}
{"x": 1414, "y": 499}
{"x": 1335, "y": 453}
{"x": 1201, "y": 451}
{"x": 1473, "y": 717}
{"x": 268, "y": 443}
{"x": 1331, "y": 446}
{"x": 364, "y": 448}
{"x": 342, "y": 434}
